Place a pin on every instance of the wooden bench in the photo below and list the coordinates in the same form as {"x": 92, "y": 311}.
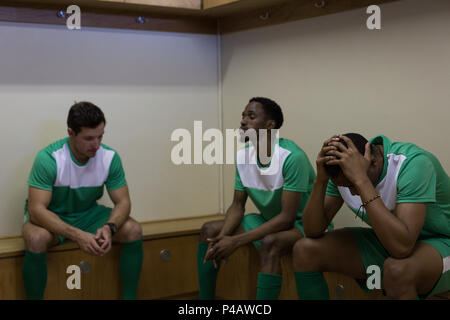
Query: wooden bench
{"x": 238, "y": 278}
{"x": 176, "y": 278}
{"x": 169, "y": 269}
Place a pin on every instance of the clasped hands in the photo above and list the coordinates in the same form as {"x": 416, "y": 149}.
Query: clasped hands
{"x": 96, "y": 245}
{"x": 220, "y": 248}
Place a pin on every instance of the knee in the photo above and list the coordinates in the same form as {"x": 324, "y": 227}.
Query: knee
{"x": 270, "y": 246}
{"x": 397, "y": 277}
{"x": 305, "y": 255}
{"x": 208, "y": 230}
{"x": 37, "y": 241}
{"x": 131, "y": 230}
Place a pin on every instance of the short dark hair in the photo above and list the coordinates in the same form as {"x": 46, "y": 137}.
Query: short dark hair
{"x": 271, "y": 109}
{"x": 360, "y": 143}
{"x": 84, "y": 114}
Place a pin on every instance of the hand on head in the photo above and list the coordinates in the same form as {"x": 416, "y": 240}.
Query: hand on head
{"x": 354, "y": 165}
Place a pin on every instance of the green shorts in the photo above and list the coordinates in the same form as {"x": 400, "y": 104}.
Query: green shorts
{"x": 254, "y": 220}
{"x": 372, "y": 252}
{"x": 88, "y": 221}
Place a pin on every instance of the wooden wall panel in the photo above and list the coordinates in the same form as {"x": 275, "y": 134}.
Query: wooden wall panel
{"x": 237, "y": 278}
{"x": 289, "y": 11}
{"x": 174, "y": 279}
{"x": 161, "y": 279}
{"x": 11, "y": 283}
{"x": 288, "y": 289}
{"x": 352, "y": 291}
{"x": 188, "y": 16}
{"x": 105, "y": 19}
{"x": 175, "y": 6}
{"x": 185, "y": 4}
{"x": 207, "y": 4}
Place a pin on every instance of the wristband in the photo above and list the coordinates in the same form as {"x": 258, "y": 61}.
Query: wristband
{"x": 112, "y": 227}
{"x": 365, "y": 204}
{"x": 369, "y": 201}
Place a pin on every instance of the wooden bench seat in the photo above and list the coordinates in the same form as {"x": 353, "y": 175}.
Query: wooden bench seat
{"x": 161, "y": 278}
{"x": 15, "y": 246}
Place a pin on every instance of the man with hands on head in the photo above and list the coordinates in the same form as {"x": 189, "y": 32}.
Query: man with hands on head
{"x": 279, "y": 186}
{"x": 67, "y": 179}
{"x": 403, "y": 193}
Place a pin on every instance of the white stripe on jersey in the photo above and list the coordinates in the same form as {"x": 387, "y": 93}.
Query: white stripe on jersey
{"x": 387, "y": 188}
{"x": 93, "y": 174}
{"x": 268, "y": 179}
{"x": 446, "y": 261}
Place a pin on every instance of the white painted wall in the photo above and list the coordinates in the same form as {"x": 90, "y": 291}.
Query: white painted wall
{"x": 331, "y": 74}
{"x": 147, "y": 84}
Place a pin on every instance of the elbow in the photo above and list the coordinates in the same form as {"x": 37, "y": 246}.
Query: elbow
{"x": 313, "y": 235}
{"x": 33, "y": 213}
{"x": 286, "y": 223}
{"x": 129, "y": 206}
{"x": 402, "y": 251}
{"x": 311, "y": 232}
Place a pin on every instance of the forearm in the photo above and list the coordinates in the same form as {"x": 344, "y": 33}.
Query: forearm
{"x": 233, "y": 219}
{"x": 390, "y": 230}
{"x": 274, "y": 225}
{"x": 120, "y": 213}
{"x": 314, "y": 217}
{"x": 51, "y": 222}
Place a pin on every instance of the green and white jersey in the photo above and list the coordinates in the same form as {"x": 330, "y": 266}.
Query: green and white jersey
{"x": 410, "y": 175}
{"x": 289, "y": 169}
{"x": 75, "y": 187}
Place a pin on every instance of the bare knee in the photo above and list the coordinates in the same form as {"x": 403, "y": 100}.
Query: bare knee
{"x": 37, "y": 239}
{"x": 210, "y": 230}
{"x": 130, "y": 231}
{"x": 270, "y": 247}
{"x": 397, "y": 277}
{"x": 305, "y": 255}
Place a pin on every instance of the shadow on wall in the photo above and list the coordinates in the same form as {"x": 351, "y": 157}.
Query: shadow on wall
{"x": 322, "y": 28}
{"x": 17, "y": 176}
{"x": 53, "y": 55}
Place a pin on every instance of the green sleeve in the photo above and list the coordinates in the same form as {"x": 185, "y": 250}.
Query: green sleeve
{"x": 116, "y": 176}
{"x": 416, "y": 181}
{"x": 43, "y": 172}
{"x": 237, "y": 182}
{"x": 298, "y": 173}
{"x": 332, "y": 189}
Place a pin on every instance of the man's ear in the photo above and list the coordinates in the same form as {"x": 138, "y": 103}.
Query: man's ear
{"x": 271, "y": 124}
{"x": 70, "y": 132}
{"x": 373, "y": 154}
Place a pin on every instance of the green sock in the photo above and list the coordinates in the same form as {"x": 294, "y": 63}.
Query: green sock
{"x": 269, "y": 286}
{"x": 34, "y": 272}
{"x": 131, "y": 257}
{"x": 207, "y": 274}
{"x": 311, "y": 285}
